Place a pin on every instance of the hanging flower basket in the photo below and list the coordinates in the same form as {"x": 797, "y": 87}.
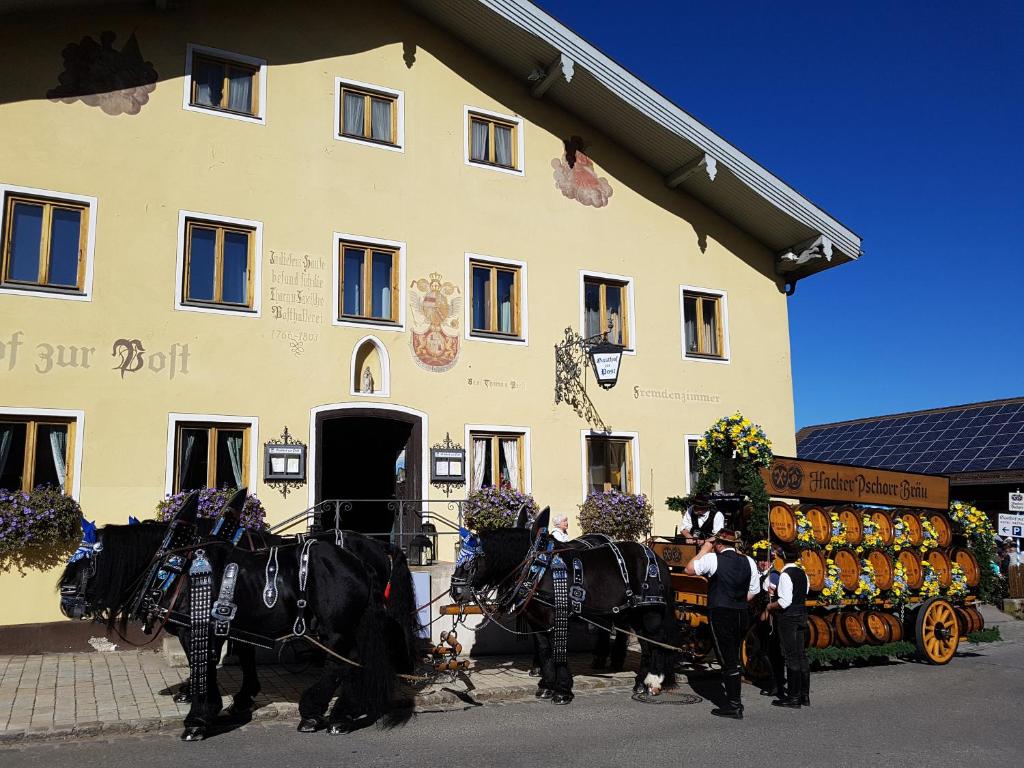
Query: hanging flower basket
{"x": 211, "y": 503}
{"x": 38, "y": 529}
{"x": 623, "y": 516}
{"x": 492, "y": 508}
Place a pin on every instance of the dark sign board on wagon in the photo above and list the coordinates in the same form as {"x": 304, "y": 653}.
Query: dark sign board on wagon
{"x": 822, "y": 481}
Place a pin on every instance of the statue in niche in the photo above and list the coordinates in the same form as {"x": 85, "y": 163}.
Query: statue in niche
{"x": 117, "y": 81}
{"x": 366, "y": 387}
{"x": 576, "y": 177}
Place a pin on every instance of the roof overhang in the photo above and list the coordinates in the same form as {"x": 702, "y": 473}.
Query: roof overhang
{"x": 559, "y": 65}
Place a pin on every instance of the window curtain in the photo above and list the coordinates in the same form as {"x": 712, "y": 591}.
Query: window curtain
{"x": 354, "y": 113}
{"x": 479, "y": 461}
{"x": 502, "y": 146}
{"x": 6, "y": 436}
{"x": 380, "y": 119}
{"x": 510, "y": 450}
{"x": 708, "y": 331}
{"x": 617, "y": 465}
{"x": 234, "y": 443}
{"x": 478, "y": 150}
{"x": 505, "y": 315}
{"x": 240, "y": 91}
{"x": 59, "y": 449}
{"x": 186, "y": 460}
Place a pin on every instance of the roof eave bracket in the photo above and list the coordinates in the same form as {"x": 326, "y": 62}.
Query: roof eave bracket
{"x": 809, "y": 252}
{"x": 543, "y": 79}
{"x": 705, "y": 163}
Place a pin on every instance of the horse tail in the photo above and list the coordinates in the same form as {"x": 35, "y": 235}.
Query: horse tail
{"x": 401, "y": 610}
{"x": 377, "y": 674}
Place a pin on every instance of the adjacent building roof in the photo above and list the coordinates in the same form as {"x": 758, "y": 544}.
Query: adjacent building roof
{"x": 980, "y": 441}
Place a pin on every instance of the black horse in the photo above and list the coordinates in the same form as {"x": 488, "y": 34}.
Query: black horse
{"x": 506, "y": 562}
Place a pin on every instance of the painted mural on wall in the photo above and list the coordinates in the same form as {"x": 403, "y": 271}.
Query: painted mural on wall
{"x": 117, "y": 81}
{"x": 576, "y": 177}
{"x": 436, "y": 308}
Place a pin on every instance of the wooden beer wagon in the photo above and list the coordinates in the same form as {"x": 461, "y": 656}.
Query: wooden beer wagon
{"x": 860, "y": 521}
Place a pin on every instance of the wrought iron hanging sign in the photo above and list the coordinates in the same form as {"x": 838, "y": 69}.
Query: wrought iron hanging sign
{"x": 572, "y": 357}
{"x": 447, "y": 465}
{"x": 284, "y": 463}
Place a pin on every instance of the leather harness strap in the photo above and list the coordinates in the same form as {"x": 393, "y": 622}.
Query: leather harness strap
{"x": 270, "y": 585}
{"x": 300, "y": 605}
{"x": 200, "y": 580}
{"x": 224, "y": 609}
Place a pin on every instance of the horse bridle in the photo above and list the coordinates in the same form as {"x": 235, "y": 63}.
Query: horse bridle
{"x": 72, "y": 596}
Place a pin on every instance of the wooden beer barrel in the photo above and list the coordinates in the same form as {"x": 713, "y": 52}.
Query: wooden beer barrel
{"x": 912, "y": 563}
{"x": 979, "y": 620}
{"x": 821, "y": 523}
{"x": 851, "y": 520}
{"x": 965, "y": 619}
{"x": 884, "y": 524}
{"x": 849, "y": 568}
{"x": 883, "y": 566}
{"x": 940, "y": 562}
{"x": 878, "y": 630}
{"x": 966, "y": 560}
{"x": 819, "y": 632}
{"x": 851, "y": 627}
{"x": 896, "y": 629}
{"x": 782, "y": 521}
{"x": 942, "y": 527}
{"x": 814, "y": 566}
{"x": 913, "y": 525}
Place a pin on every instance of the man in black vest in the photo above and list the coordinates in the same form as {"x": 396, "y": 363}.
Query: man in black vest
{"x": 733, "y": 581}
{"x": 701, "y": 520}
{"x": 791, "y": 618}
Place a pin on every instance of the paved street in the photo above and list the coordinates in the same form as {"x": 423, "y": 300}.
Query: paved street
{"x": 898, "y": 714}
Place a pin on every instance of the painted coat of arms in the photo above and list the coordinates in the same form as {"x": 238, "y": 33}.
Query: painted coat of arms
{"x": 576, "y": 177}
{"x": 436, "y": 308}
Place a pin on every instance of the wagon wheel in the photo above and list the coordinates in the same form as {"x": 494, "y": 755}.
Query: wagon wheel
{"x": 754, "y": 657}
{"x": 937, "y": 631}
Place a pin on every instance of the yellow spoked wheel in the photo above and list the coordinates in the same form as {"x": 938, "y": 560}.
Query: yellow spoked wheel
{"x": 937, "y": 631}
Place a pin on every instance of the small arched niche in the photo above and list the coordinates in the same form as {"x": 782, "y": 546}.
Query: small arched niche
{"x": 370, "y": 373}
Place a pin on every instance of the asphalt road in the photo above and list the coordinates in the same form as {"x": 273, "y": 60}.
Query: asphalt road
{"x": 899, "y": 714}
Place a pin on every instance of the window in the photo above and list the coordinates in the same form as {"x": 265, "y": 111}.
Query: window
{"x": 692, "y": 475}
{"x": 211, "y": 455}
{"x": 494, "y": 140}
{"x": 704, "y": 334}
{"x": 497, "y": 460}
{"x": 606, "y": 308}
{"x": 369, "y": 114}
{"x": 368, "y": 287}
{"x": 495, "y": 299}
{"x": 219, "y": 264}
{"x": 36, "y": 451}
{"x": 225, "y": 83}
{"x": 45, "y": 242}
{"x": 609, "y": 464}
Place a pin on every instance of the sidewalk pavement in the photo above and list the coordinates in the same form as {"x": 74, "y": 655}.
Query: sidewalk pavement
{"x": 66, "y": 695}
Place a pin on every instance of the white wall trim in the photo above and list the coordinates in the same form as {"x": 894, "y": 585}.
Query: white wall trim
{"x": 523, "y": 340}
{"x": 727, "y": 355}
{"x": 520, "y": 139}
{"x": 261, "y": 113}
{"x": 257, "y": 265}
{"x": 385, "y": 369}
{"x": 631, "y": 304}
{"x": 63, "y": 413}
{"x": 686, "y": 461}
{"x": 527, "y": 434}
{"x": 399, "y": 96}
{"x": 311, "y": 466}
{"x": 253, "y": 423}
{"x": 399, "y": 245}
{"x": 634, "y": 445}
{"x": 43, "y": 292}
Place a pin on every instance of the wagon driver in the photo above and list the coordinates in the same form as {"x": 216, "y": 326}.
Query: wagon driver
{"x": 702, "y": 520}
{"x": 733, "y": 581}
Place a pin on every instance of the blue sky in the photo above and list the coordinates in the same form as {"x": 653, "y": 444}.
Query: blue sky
{"x": 904, "y": 121}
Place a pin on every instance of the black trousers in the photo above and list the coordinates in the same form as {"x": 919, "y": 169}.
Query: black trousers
{"x": 730, "y": 628}
{"x": 793, "y": 637}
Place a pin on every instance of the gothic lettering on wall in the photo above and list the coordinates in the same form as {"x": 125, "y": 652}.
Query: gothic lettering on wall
{"x": 297, "y": 303}
{"x": 117, "y": 81}
{"x": 436, "y": 308}
{"x": 576, "y": 177}
{"x": 132, "y": 357}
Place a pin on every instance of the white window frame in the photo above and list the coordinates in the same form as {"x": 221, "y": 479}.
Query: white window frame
{"x": 253, "y": 422}
{"x": 42, "y": 291}
{"x": 634, "y": 438}
{"x": 260, "y": 118}
{"x": 631, "y": 304}
{"x": 520, "y": 140}
{"x": 523, "y": 340}
{"x": 257, "y": 265}
{"x": 78, "y": 416}
{"x": 399, "y": 96}
{"x": 726, "y": 353}
{"x": 399, "y": 245}
{"x": 686, "y": 460}
{"x": 526, "y": 434}
{"x": 385, "y": 368}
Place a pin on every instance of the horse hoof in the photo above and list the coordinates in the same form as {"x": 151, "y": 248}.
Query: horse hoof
{"x": 182, "y": 698}
{"x": 639, "y": 688}
{"x": 195, "y": 733}
{"x": 309, "y": 725}
{"x": 561, "y": 698}
{"x": 544, "y": 693}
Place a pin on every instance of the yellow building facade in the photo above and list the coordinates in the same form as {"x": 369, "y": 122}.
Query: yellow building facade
{"x": 363, "y": 223}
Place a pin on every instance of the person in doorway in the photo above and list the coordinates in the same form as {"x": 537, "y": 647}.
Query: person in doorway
{"x": 559, "y": 528}
{"x": 701, "y": 521}
{"x": 733, "y": 581}
{"x": 790, "y": 609}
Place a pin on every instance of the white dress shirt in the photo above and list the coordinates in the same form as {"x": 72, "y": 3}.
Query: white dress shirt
{"x": 785, "y": 591}
{"x": 716, "y": 526}
{"x": 707, "y": 565}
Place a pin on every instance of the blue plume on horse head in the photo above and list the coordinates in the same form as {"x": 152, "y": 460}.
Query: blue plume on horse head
{"x": 133, "y": 520}
{"x": 88, "y": 531}
{"x": 470, "y": 546}
{"x": 89, "y": 543}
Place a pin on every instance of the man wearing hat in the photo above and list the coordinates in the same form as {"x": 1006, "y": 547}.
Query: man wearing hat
{"x": 733, "y": 581}
{"x": 701, "y": 520}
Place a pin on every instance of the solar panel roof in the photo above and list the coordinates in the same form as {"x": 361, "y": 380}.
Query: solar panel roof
{"x": 983, "y": 437}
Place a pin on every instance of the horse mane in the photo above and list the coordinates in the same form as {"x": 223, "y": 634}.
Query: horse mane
{"x": 504, "y": 550}
{"x": 127, "y": 550}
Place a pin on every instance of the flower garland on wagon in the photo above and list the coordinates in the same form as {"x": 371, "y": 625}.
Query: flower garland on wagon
{"x": 929, "y": 536}
{"x": 971, "y": 522}
{"x": 957, "y": 588}
{"x": 872, "y": 538}
{"x": 623, "y": 516}
{"x": 832, "y": 592}
{"x": 867, "y": 586}
{"x": 900, "y": 589}
{"x": 930, "y": 586}
{"x": 804, "y": 531}
{"x": 838, "y": 538}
